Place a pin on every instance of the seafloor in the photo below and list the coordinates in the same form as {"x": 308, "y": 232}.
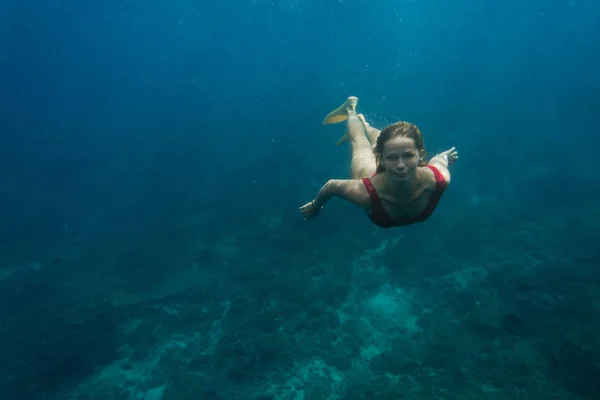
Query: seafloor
{"x": 472, "y": 304}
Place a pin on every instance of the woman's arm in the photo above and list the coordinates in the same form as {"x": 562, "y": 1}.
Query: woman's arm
{"x": 348, "y": 189}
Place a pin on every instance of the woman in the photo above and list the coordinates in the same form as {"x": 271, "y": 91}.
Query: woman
{"x": 391, "y": 178}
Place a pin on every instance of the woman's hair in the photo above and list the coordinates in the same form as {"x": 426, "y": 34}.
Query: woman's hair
{"x": 403, "y": 129}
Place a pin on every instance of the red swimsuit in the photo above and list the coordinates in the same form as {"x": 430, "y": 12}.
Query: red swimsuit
{"x": 383, "y": 220}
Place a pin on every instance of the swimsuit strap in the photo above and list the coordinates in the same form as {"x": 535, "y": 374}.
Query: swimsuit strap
{"x": 377, "y": 210}
{"x": 440, "y": 185}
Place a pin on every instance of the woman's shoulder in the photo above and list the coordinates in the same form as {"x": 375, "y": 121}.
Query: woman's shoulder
{"x": 427, "y": 173}
{"x": 428, "y": 179}
{"x": 441, "y": 171}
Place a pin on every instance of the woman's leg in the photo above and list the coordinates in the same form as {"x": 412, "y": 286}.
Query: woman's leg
{"x": 363, "y": 160}
{"x": 372, "y": 133}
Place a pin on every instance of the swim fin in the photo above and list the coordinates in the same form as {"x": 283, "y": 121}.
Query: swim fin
{"x": 342, "y": 140}
{"x": 340, "y": 114}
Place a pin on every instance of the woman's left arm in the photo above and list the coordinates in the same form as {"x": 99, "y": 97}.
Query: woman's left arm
{"x": 443, "y": 161}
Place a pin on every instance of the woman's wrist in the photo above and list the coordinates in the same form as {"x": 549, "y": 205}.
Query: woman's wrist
{"x": 441, "y": 158}
{"x": 323, "y": 196}
{"x": 316, "y": 206}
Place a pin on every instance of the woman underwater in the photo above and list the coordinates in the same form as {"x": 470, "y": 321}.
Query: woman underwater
{"x": 391, "y": 178}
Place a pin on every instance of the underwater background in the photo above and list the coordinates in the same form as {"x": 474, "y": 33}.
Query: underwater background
{"x": 154, "y": 154}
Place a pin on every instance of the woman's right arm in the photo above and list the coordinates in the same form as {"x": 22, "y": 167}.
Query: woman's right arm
{"x": 352, "y": 190}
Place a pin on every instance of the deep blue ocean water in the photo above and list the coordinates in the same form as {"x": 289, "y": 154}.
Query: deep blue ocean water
{"x": 154, "y": 154}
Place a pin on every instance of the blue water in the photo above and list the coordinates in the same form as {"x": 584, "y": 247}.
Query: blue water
{"x": 154, "y": 155}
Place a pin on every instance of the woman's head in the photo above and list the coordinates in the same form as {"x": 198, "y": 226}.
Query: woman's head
{"x": 400, "y": 150}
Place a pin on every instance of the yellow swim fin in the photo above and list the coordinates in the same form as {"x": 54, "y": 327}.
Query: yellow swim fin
{"x": 340, "y": 114}
{"x": 342, "y": 140}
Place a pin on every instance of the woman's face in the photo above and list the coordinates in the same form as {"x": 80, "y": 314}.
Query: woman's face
{"x": 400, "y": 158}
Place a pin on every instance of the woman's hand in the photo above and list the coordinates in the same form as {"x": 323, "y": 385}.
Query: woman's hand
{"x": 450, "y": 156}
{"x": 310, "y": 210}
